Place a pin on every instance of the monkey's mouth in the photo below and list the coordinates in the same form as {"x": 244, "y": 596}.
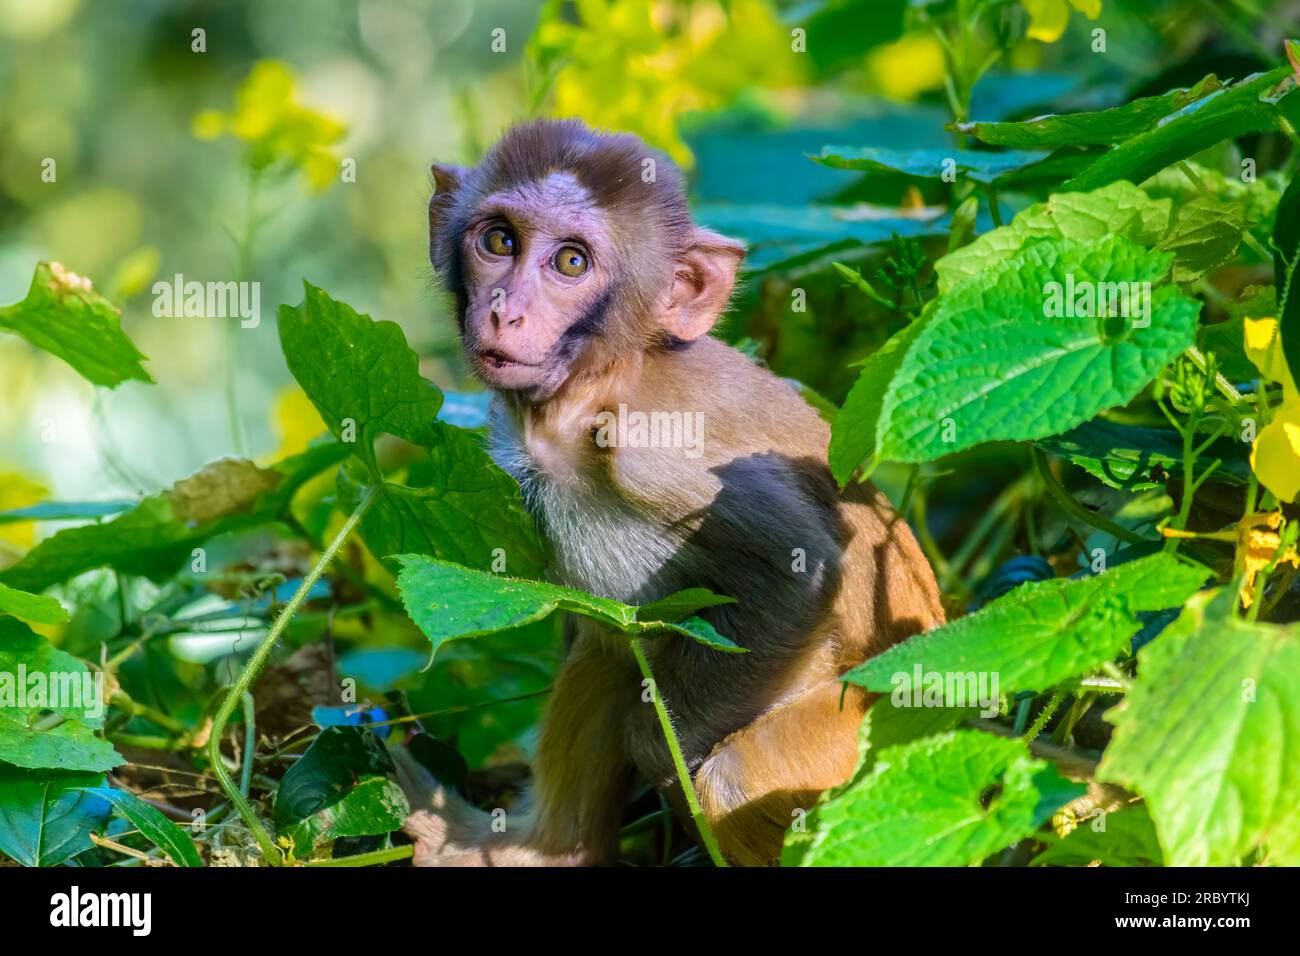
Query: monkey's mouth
{"x": 499, "y": 361}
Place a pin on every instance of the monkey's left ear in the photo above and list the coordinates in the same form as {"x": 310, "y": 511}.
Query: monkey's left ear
{"x": 702, "y": 282}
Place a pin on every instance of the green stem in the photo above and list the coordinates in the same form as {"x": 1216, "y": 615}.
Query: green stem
{"x": 1044, "y": 716}
{"x": 675, "y": 748}
{"x": 248, "y": 676}
{"x": 1073, "y": 508}
{"x": 373, "y": 858}
{"x": 250, "y": 742}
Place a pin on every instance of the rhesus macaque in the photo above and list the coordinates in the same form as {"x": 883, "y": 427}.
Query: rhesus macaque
{"x": 583, "y": 287}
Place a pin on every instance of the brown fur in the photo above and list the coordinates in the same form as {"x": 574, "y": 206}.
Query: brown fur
{"x": 762, "y": 732}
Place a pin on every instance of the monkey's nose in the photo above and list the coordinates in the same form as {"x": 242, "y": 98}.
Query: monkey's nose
{"x": 496, "y": 320}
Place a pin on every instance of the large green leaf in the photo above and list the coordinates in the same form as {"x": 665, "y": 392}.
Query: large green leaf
{"x": 947, "y": 800}
{"x": 1038, "y": 634}
{"x": 988, "y": 365}
{"x": 1120, "y": 838}
{"x": 1117, "y": 209}
{"x": 50, "y": 706}
{"x": 1286, "y": 268}
{"x": 364, "y": 380}
{"x": 1210, "y": 736}
{"x": 155, "y": 827}
{"x": 449, "y": 602}
{"x": 47, "y": 817}
{"x": 1100, "y": 128}
{"x": 66, "y": 318}
{"x": 31, "y": 607}
{"x": 1205, "y": 235}
{"x": 340, "y": 787}
{"x": 458, "y": 505}
{"x": 1125, "y": 456}
{"x": 360, "y": 374}
{"x": 979, "y": 166}
{"x": 156, "y": 536}
{"x": 1251, "y": 106}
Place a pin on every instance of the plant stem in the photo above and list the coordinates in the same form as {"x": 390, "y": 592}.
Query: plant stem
{"x": 1073, "y": 508}
{"x": 373, "y": 858}
{"x": 248, "y": 676}
{"x": 675, "y": 748}
{"x": 1044, "y": 715}
{"x": 250, "y": 741}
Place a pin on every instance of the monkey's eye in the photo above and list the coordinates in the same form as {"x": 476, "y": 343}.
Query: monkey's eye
{"x": 571, "y": 261}
{"x": 499, "y": 241}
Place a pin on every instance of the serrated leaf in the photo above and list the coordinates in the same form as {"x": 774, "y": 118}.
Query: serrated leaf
{"x": 1251, "y": 106}
{"x": 1210, "y": 736}
{"x": 1100, "y": 128}
{"x": 153, "y": 539}
{"x": 56, "y": 729}
{"x": 1117, "y": 209}
{"x": 1124, "y": 456}
{"x": 46, "y": 817}
{"x": 1038, "y": 634}
{"x": 1205, "y": 235}
{"x": 948, "y": 800}
{"x": 62, "y": 315}
{"x": 1128, "y": 839}
{"x": 458, "y": 506}
{"x": 359, "y": 371}
{"x": 155, "y": 827}
{"x": 935, "y": 163}
{"x": 449, "y": 602}
{"x": 340, "y": 787}
{"x": 989, "y": 365}
{"x": 31, "y": 607}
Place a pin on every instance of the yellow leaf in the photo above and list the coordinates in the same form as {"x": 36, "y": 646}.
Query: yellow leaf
{"x": 296, "y": 421}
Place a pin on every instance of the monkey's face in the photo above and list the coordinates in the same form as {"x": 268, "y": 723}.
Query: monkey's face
{"x": 537, "y": 263}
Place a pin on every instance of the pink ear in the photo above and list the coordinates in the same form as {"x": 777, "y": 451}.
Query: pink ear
{"x": 705, "y": 275}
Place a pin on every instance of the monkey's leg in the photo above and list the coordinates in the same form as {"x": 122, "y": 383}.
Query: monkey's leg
{"x": 580, "y": 777}
{"x": 754, "y": 782}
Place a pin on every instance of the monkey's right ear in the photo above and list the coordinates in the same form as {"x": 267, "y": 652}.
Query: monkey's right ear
{"x": 446, "y": 181}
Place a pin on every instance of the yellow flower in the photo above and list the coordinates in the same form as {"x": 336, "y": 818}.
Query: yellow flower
{"x": 275, "y": 126}
{"x": 908, "y": 66}
{"x": 296, "y": 421}
{"x": 1275, "y": 456}
{"x": 639, "y": 65}
{"x": 1258, "y": 538}
{"x": 1049, "y": 18}
{"x": 18, "y": 491}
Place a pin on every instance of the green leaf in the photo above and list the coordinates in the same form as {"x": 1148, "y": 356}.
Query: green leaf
{"x": 1250, "y": 106}
{"x": 31, "y": 607}
{"x": 1286, "y": 258}
{"x": 1036, "y": 635}
{"x": 1124, "y": 456}
{"x": 1210, "y": 736}
{"x": 340, "y": 787}
{"x": 360, "y": 374}
{"x": 49, "y": 719}
{"x": 449, "y": 602}
{"x": 153, "y": 826}
{"x": 1117, "y": 209}
{"x": 1204, "y": 236}
{"x": 1120, "y": 838}
{"x": 980, "y": 166}
{"x": 1101, "y": 128}
{"x": 458, "y": 506}
{"x": 1227, "y": 339}
{"x": 989, "y": 365}
{"x": 64, "y": 511}
{"x": 853, "y": 433}
{"x": 155, "y": 537}
{"x": 947, "y": 800}
{"x": 63, "y": 316}
{"x": 46, "y": 818}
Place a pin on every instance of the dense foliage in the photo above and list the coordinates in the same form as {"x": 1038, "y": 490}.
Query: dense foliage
{"x": 1066, "y": 345}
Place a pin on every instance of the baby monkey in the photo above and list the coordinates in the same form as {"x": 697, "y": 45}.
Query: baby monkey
{"x": 585, "y": 294}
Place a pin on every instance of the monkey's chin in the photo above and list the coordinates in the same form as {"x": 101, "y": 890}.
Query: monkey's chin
{"x": 511, "y": 376}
